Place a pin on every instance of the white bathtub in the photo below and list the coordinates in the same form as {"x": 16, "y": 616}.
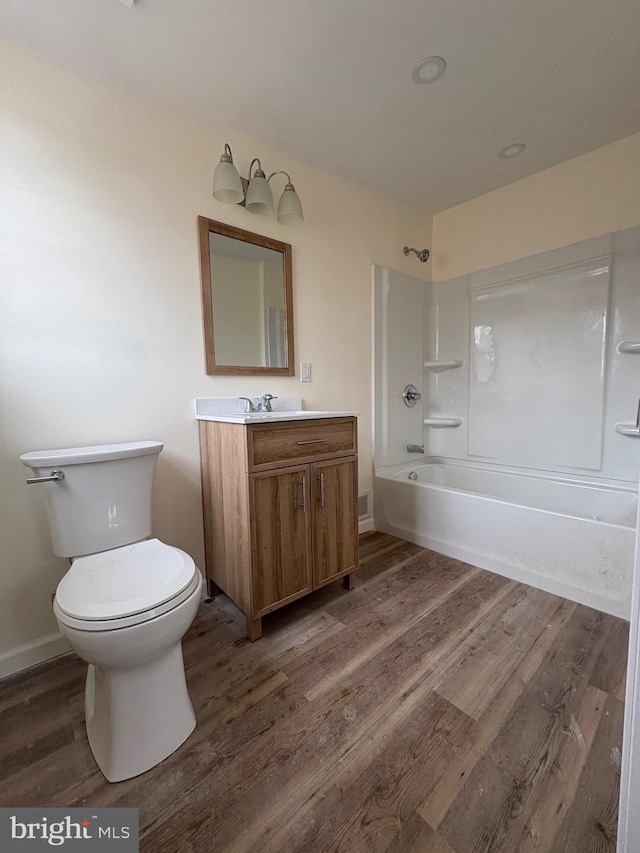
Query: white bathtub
{"x": 572, "y": 537}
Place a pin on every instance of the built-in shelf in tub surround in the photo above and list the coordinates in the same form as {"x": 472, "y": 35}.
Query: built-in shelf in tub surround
{"x": 439, "y": 366}
{"x": 440, "y": 423}
{"x": 628, "y": 429}
{"x": 630, "y": 347}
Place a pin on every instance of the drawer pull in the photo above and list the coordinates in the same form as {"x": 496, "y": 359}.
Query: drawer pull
{"x": 314, "y": 441}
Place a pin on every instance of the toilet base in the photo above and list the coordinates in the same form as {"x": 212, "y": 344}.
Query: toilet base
{"x": 136, "y": 717}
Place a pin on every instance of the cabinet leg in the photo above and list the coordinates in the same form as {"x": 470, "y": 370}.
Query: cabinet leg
{"x": 349, "y": 581}
{"x": 212, "y": 588}
{"x": 254, "y": 628}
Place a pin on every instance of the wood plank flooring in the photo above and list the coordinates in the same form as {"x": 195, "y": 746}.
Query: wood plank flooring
{"x": 436, "y": 708}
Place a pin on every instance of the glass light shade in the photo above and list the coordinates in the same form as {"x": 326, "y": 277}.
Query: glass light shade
{"x": 227, "y": 185}
{"x": 259, "y": 197}
{"x": 290, "y": 207}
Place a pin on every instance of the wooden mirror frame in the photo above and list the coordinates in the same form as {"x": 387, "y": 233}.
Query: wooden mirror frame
{"x": 207, "y": 226}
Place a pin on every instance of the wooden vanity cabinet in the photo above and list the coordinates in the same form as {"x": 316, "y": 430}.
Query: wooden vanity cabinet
{"x": 280, "y": 510}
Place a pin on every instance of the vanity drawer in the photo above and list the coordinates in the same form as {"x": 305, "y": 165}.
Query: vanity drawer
{"x": 273, "y": 445}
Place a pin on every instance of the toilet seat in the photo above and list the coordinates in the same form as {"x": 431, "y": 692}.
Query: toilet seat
{"x": 125, "y": 586}
{"x": 135, "y": 618}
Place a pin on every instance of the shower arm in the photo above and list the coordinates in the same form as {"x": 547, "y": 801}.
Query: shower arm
{"x": 422, "y": 254}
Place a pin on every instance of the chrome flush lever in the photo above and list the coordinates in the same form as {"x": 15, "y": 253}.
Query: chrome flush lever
{"x": 54, "y": 475}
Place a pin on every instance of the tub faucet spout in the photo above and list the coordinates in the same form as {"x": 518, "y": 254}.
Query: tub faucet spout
{"x": 415, "y": 448}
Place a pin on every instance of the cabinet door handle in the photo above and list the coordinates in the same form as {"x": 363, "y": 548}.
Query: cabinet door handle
{"x": 321, "y": 479}
{"x": 314, "y": 441}
{"x": 303, "y": 483}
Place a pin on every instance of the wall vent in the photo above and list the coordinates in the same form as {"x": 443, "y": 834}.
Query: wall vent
{"x": 363, "y": 505}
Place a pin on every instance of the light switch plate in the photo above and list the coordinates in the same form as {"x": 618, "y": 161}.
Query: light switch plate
{"x": 305, "y": 371}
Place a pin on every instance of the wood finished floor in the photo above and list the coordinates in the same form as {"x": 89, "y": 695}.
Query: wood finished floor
{"x": 436, "y": 708}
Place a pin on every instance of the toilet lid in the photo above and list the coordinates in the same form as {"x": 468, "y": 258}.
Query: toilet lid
{"x": 124, "y": 581}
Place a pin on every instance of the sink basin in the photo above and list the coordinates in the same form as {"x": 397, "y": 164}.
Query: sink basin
{"x": 278, "y": 416}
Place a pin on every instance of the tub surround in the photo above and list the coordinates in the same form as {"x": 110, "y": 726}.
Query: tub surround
{"x": 398, "y": 314}
{"x": 528, "y": 417}
{"x": 548, "y": 361}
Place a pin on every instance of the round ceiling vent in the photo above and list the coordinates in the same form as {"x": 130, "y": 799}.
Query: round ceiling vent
{"x": 512, "y": 150}
{"x": 429, "y": 70}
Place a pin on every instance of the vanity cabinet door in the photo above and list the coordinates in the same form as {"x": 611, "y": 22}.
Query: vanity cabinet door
{"x": 334, "y": 492}
{"x": 281, "y": 537}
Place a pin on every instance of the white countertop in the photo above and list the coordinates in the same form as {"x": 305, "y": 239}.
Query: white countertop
{"x": 288, "y": 409}
{"x": 270, "y": 417}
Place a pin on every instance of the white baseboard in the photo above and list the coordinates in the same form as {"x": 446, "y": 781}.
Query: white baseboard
{"x": 366, "y": 524}
{"x": 33, "y": 653}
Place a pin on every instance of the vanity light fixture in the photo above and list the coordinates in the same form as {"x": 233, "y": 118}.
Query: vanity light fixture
{"x": 255, "y": 193}
{"x": 289, "y": 206}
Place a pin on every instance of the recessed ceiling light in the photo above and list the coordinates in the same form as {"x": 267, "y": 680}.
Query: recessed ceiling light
{"x": 512, "y": 150}
{"x": 429, "y": 70}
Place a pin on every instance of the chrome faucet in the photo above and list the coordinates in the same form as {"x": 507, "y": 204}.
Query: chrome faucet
{"x": 415, "y": 448}
{"x": 264, "y": 403}
{"x": 250, "y": 405}
{"x": 258, "y": 405}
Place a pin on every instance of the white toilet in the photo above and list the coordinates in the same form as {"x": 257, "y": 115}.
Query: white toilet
{"x": 125, "y": 603}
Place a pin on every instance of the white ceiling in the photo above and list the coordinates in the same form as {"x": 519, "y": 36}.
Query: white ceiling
{"x": 329, "y": 81}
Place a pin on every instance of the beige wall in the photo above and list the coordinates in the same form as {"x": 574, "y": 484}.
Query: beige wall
{"x": 591, "y": 195}
{"x": 101, "y": 335}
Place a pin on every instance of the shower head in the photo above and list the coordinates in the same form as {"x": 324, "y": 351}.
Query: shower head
{"x": 422, "y": 254}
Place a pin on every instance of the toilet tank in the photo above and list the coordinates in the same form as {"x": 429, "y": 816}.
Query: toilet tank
{"x": 104, "y": 500}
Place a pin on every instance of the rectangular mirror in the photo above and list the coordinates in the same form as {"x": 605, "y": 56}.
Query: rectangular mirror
{"x": 247, "y": 301}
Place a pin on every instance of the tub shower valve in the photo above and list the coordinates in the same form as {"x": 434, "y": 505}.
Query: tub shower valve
{"x": 411, "y": 395}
